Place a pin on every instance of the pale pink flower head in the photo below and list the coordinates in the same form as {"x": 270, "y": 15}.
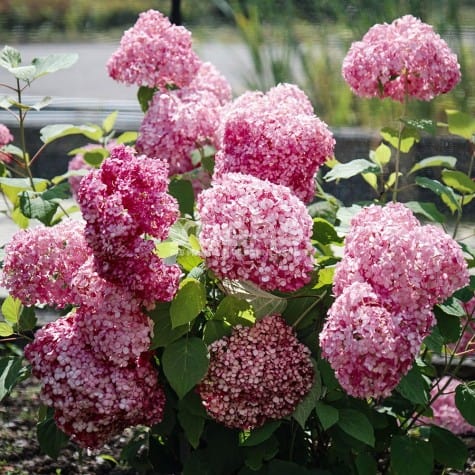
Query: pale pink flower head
{"x": 154, "y": 53}
{"x": 369, "y": 347}
{"x": 41, "y": 262}
{"x": 410, "y": 267}
{"x": 5, "y": 135}
{"x": 93, "y": 400}
{"x": 444, "y": 410}
{"x": 275, "y": 137}
{"x": 78, "y": 163}
{"x": 181, "y": 121}
{"x": 404, "y": 58}
{"x": 257, "y": 231}
{"x": 257, "y": 374}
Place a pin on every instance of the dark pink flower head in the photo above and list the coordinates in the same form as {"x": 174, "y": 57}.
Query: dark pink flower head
{"x": 369, "y": 347}
{"x": 257, "y": 231}
{"x": 5, "y": 135}
{"x": 404, "y": 58}
{"x": 275, "y": 137}
{"x": 41, "y": 262}
{"x": 93, "y": 400}
{"x": 125, "y": 198}
{"x": 154, "y": 53}
{"x": 411, "y": 267}
{"x": 78, "y": 163}
{"x": 445, "y": 412}
{"x": 179, "y": 122}
{"x": 256, "y": 374}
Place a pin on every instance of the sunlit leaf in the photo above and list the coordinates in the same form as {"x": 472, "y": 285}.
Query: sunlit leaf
{"x": 53, "y": 132}
{"x": 461, "y": 124}
{"x": 428, "y": 210}
{"x": 435, "y": 161}
{"x": 382, "y": 155}
{"x": 350, "y": 169}
{"x": 441, "y": 190}
{"x": 11, "y": 309}
{"x": 127, "y": 137}
{"x": 53, "y": 62}
{"x": 109, "y": 122}
{"x": 409, "y": 136}
{"x": 189, "y": 301}
{"x": 458, "y": 181}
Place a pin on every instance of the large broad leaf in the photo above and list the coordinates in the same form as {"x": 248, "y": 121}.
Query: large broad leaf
{"x": 191, "y": 415}
{"x": 33, "y": 206}
{"x": 461, "y": 124}
{"x": 458, "y": 181}
{"x": 11, "y": 309}
{"x": 381, "y": 156}
{"x": 185, "y": 363}
{"x": 447, "y": 195}
{"x": 50, "y": 438}
{"x": 144, "y": 96}
{"x": 328, "y": 415}
{"x": 188, "y": 303}
{"x": 350, "y": 169}
{"x": 163, "y": 333}
{"x": 257, "y": 436}
{"x": 309, "y": 402}
{"x": 109, "y": 122}
{"x": 409, "y": 136}
{"x": 435, "y": 161}
{"x": 449, "y": 450}
{"x": 235, "y": 311}
{"x": 10, "y": 57}
{"x": 183, "y": 192}
{"x": 53, "y": 132}
{"x": 410, "y": 456}
{"x": 357, "y": 425}
{"x": 263, "y": 303}
{"x": 11, "y": 371}
{"x": 414, "y": 387}
{"x": 465, "y": 401}
{"x": 428, "y": 210}
{"x": 53, "y": 62}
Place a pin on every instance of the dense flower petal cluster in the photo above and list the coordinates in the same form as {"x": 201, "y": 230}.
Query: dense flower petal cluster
{"x": 180, "y": 121}
{"x": 256, "y": 374}
{"x": 78, "y": 163}
{"x": 404, "y": 58}
{"x": 93, "y": 399}
{"x": 5, "y": 135}
{"x": 121, "y": 201}
{"x": 41, "y": 262}
{"x": 445, "y": 412}
{"x": 398, "y": 270}
{"x": 275, "y": 137}
{"x": 257, "y": 231}
{"x": 368, "y": 346}
{"x": 154, "y": 53}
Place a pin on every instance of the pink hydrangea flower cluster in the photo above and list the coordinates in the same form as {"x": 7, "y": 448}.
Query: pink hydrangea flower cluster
{"x": 121, "y": 201}
{"x": 78, "y": 163}
{"x": 444, "y": 410}
{"x": 183, "y": 120}
{"x": 41, "y": 262}
{"x": 256, "y": 374}
{"x": 93, "y": 399}
{"x": 154, "y": 53}
{"x": 404, "y": 58}
{"x": 275, "y": 137}
{"x": 257, "y": 231}
{"x": 5, "y": 135}
{"x": 405, "y": 269}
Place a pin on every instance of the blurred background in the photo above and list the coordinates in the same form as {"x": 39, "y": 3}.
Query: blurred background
{"x": 254, "y": 43}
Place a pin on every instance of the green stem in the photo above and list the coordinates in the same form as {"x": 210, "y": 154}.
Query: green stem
{"x": 397, "y": 159}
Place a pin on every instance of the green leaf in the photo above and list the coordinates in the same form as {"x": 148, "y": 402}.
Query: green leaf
{"x": 461, "y": 124}
{"x": 328, "y": 415}
{"x": 381, "y": 156}
{"x": 448, "y": 325}
{"x": 264, "y": 303}
{"x": 24, "y": 73}
{"x": 428, "y": 210}
{"x": 350, "y": 169}
{"x": 465, "y": 401}
{"x": 11, "y": 309}
{"x": 449, "y": 450}
{"x": 109, "y": 122}
{"x": 53, "y": 62}
{"x": 57, "y": 192}
{"x": 144, "y": 96}
{"x": 11, "y": 371}
{"x": 189, "y": 301}
{"x": 435, "y": 161}
{"x": 184, "y": 194}
{"x": 258, "y": 454}
{"x": 357, "y": 425}
{"x": 163, "y": 333}
{"x": 458, "y": 181}
{"x": 257, "y": 436}
{"x": 309, "y": 402}
{"x": 446, "y": 193}
{"x": 410, "y": 456}
{"x": 235, "y": 311}
{"x": 10, "y": 57}
{"x": 51, "y": 133}
{"x": 27, "y": 320}
{"x": 166, "y": 249}
{"x": 33, "y": 206}
{"x": 185, "y": 363}
{"x": 50, "y": 438}
{"x": 366, "y": 464}
{"x": 127, "y": 137}
{"x": 95, "y": 157}
{"x": 283, "y": 467}
{"x": 434, "y": 341}
{"x": 192, "y": 424}
{"x": 215, "y": 330}
{"x": 414, "y": 387}
{"x": 425, "y": 125}
{"x": 324, "y": 232}
{"x": 6, "y": 329}
{"x": 409, "y": 136}
{"x": 42, "y": 103}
